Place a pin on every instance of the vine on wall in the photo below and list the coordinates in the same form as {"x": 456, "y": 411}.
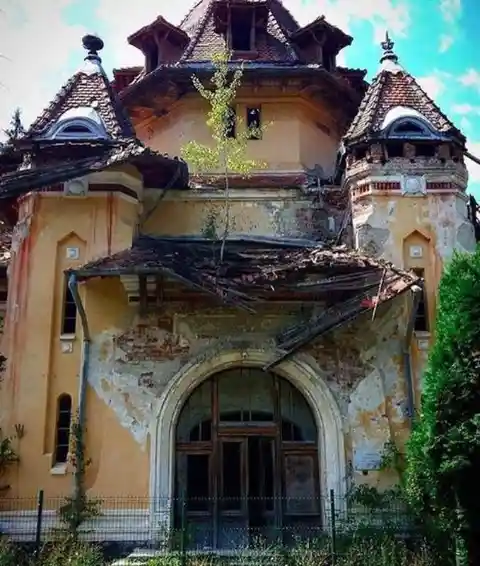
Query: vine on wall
{"x": 8, "y": 454}
{"x": 79, "y": 508}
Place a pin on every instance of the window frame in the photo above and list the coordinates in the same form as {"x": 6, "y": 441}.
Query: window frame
{"x": 248, "y": 111}
{"x": 425, "y": 316}
{"x": 68, "y": 302}
{"x": 62, "y": 457}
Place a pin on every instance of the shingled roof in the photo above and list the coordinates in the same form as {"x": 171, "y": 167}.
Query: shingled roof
{"x": 272, "y": 46}
{"x": 81, "y": 162}
{"x": 198, "y": 38}
{"x": 249, "y": 266}
{"x": 393, "y": 87}
{"x": 89, "y": 87}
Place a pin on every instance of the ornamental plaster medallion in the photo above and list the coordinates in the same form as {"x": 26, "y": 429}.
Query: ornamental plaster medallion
{"x": 414, "y": 185}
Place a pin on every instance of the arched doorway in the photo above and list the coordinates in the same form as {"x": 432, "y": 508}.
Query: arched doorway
{"x": 247, "y": 462}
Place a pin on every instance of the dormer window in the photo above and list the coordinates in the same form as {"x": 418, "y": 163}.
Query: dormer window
{"x": 77, "y": 128}
{"x": 78, "y": 123}
{"x": 409, "y": 128}
{"x": 241, "y": 30}
{"x": 406, "y": 123}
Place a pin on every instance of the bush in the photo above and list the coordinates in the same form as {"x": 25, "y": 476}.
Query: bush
{"x": 72, "y": 553}
{"x": 11, "y": 554}
{"x": 443, "y": 455}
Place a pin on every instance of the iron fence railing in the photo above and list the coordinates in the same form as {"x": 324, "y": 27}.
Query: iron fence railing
{"x": 222, "y": 526}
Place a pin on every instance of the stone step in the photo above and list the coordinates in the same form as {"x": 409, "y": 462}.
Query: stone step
{"x": 141, "y": 557}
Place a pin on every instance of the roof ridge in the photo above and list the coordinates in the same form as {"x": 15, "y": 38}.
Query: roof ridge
{"x": 60, "y": 97}
{"x": 201, "y": 27}
{"x": 376, "y": 84}
{"x": 430, "y": 100}
{"x": 189, "y": 13}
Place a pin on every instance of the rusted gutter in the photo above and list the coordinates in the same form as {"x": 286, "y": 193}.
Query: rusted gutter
{"x": 407, "y": 353}
{"x": 82, "y": 393}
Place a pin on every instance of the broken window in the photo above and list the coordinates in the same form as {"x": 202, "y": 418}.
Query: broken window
{"x": 69, "y": 318}
{"x": 231, "y": 122}
{"x": 254, "y": 123}
{"x": 421, "y": 319}
{"x": 151, "y": 58}
{"x": 62, "y": 432}
{"x": 425, "y": 150}
{"x": 241, "y": 30}
{"x": 394, "y": 149}
{"x": 408, "y": 127}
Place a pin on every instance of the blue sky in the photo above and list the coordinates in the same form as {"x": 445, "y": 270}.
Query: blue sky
{"x": 437, "y": 41}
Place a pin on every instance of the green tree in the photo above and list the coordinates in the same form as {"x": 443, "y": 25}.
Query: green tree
{"x": 226, "y": 154}
{"x": 443, "y": 455}
{"x": 16, "y": 129}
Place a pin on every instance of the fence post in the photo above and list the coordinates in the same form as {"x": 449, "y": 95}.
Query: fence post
{"x": 333, "y": 531}
{"x": 38, "y": 531}
{"x": 183, "y": 534}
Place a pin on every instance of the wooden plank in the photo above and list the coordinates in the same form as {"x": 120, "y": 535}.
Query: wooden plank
{"x": 143, "y": 295}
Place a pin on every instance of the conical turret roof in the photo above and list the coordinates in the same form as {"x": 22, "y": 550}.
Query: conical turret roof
{"x": 393, "y": 88}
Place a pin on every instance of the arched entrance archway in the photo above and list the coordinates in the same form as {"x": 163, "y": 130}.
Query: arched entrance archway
{"x": 247, "y": 461}
{"x": 300, "y": 370}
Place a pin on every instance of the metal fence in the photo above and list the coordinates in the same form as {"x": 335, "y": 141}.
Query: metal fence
{"x": 221, "y": 526}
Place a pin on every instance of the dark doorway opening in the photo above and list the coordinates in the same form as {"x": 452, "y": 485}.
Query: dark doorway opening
{"x": 247, "y": 462}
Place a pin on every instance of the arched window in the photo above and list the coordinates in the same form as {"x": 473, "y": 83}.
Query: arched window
{"x": 408, "y": 128}
{"x": 77, "y": 128}
{"x": 62, "y": 431}
{"x": 411, "y": 127}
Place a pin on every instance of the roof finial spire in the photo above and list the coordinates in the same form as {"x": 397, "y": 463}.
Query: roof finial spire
{"x": 387, "y": 46}
{"x": 93, "y": 44}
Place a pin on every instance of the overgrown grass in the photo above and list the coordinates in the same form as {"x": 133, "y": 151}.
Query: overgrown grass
{"x": 374, "y": 549}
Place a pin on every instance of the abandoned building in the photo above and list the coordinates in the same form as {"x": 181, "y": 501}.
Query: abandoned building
{"x": 238, "y": 382}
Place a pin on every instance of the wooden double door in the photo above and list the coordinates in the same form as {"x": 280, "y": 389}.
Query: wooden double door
{"x": 246, "y": 468}
{"x": 249, "y": 487}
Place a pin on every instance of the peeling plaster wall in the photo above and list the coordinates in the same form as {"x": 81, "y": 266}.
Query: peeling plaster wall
{"x": 381, "y": 223}
{"x": 256, "y": 212}
{"x": 131, "y": 367}
{"x": 420, "y": 230}
{"x": 364, "y": 365}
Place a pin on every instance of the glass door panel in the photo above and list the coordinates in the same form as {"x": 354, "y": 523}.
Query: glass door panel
{"x": 233, "y": 510}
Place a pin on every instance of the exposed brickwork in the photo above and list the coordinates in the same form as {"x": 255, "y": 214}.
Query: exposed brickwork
{"x": 152, "y": 341}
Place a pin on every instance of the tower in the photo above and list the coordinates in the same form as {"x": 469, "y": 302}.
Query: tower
{"x": 406, "y": 177}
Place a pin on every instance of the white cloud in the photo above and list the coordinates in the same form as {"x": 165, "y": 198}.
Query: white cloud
{"x": 122, "y": 19}
{"x": 433, "y": 85}
{"x": 474, "y": 168}
{"x": 466, "y": 109}
{"x": 446, "y": 41}
{"x": 451, "y": 10}
{"x": 39, "y": 46}
{"x": 35, "y": 44}
{"x": 471, "y": 78}
{"x": 465, "y": 124}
